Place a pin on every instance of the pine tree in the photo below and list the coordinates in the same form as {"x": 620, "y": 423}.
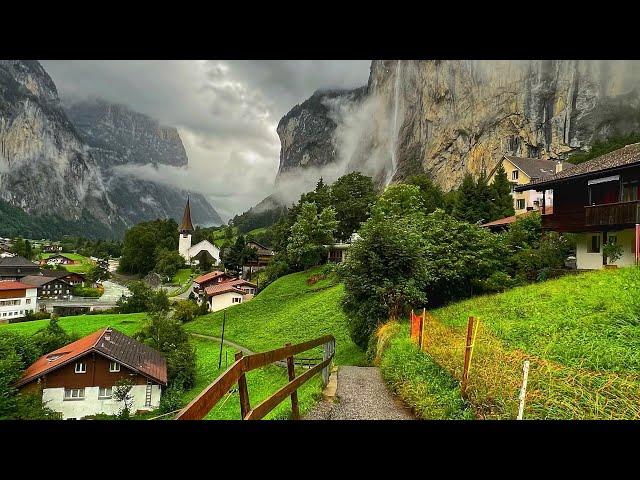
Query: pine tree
{"x": 501, "y": 194}
{"x": 465, "y": 202}
{"x": 484, "y": 199}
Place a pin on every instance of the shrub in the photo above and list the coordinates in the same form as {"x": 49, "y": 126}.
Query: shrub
{"x": 612, "y": 251}
{"x": 497, "y": 282}
{"x": 171, "y": 400}
{"x": 185, "y": 311}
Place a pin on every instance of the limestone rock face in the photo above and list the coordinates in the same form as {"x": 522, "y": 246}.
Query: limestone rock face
{"x": 44, "y": 165}
{"x": 118, "y": 137}
{"x": 447, "y": 117}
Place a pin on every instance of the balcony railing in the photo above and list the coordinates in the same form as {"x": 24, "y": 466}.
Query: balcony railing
{"x": 621, "y": 213}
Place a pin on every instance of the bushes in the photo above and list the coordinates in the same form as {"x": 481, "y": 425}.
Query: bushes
{"x": 87, "y": 291}
{"x": 416, "y": 378}
{"x": 143, "y": 299}
{"x": 186, "y": 311}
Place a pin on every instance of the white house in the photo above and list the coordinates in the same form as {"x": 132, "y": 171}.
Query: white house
{"x": 78, "y": 379}
{"x": 193, "y": 254}
{"x": 229, "y": 293}
{"x": 16, "y": 299}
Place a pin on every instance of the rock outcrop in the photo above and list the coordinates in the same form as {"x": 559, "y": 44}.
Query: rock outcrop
{"x": 447, "y": 117}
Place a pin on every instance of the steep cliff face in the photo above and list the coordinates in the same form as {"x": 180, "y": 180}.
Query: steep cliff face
{"x": 449, "y": 117}
{"x": 44, "y": 166}
{"x": 118, "y": 137}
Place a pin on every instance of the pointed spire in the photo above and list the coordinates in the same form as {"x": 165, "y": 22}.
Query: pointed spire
{"x": 186, "y": 225}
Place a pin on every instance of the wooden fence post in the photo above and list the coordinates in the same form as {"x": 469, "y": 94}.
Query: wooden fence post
{"x": 245, "y": 405}
{"x": 327, "y": 352}
{"x": 467, "y": 355}
{"x": 523, "y": 390}
{"x": 294, "y": 395}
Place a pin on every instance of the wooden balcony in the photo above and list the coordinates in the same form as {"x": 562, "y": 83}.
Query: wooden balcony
{"x": 611, "y": 214}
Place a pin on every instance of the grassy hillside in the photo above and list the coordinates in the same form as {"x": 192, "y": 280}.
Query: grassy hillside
{"x": 82, "y": 325}
{"x": 288, "y": 310}
{"x": 83, "y": 265}
{"x": 581, "y": 334}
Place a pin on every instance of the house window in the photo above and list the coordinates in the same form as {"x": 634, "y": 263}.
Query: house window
{"x": 236, "y": 300}
{"x": 514, "y": 175}
{"x": 612, "y": 239}
{"x": 520, "y": 205}
{"x": 28, "y": 301}
{"x": 593, "y": 245}
{"x": 74, "y": 393}
{"x": 114, "y": 367}
{"x": 81, "y": 367}
{"x": 105, "y": 392}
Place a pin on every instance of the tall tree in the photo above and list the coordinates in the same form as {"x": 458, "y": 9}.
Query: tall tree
{"x": 484, "y": 199}
{"x": 501, "y": 195}
{"x": 351, "y": 196}
{"x": 309, "y": 235}
{"x": 465, "y": 200}
{"x": 432, "y": 194}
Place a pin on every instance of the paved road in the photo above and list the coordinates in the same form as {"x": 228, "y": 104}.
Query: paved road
{"x": 361, "y": 395}
{"x": 112, "y": 292}
{"x": 184, "y": 295}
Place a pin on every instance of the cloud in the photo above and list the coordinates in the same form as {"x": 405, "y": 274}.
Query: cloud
{"x": 226, "y": 113}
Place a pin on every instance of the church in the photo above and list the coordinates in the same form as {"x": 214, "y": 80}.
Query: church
{"x": 195, "y": 254}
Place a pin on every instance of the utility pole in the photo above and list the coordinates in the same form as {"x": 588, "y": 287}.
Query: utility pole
{"x": 224, "y": 320}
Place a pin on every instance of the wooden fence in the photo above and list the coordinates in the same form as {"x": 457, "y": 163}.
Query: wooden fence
{"x": 204, "y": 402}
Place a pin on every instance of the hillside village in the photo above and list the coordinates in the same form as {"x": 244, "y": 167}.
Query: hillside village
{"x": 138, "y": 333}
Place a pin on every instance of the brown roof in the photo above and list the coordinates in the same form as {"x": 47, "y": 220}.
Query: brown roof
{"x": 39, "y": 280}
{"x": 623, "y": 157}
{"x": 261, "y": 249}
{"x": 12, "y": 285}
{"x": 109, "y": 343}
{"x": 208, "y": 276}
{"x": 221, "y": 288}
{"x": 239, "y": 282}
{"x": 537, "y": 168}
{"x": 509, "y": 220}
{"x": 186, "y": 225}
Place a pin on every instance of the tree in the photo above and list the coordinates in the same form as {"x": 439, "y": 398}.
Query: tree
{"x": 138, "y": 301}
{"x": 144, "y": 241}
{"x": 168, "y": 262}
{"x": 399, "y": 200}
{"x": 309, "y": 234}
{"x": 351, "y": 196}
{"x": 432, "y": 195}
{"x": 51, "y": 337}
{"x": 166, "y": 334}
{"x": 122, "y": 393}
{"x": 238, "y": 255}
{"x": 185, "y": 311}
{"x": 465, "y": 200}
{"x": 96, "y": 273}
{"x": 501, "y": 195}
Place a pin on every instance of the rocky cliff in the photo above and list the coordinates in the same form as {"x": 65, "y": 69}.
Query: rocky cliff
{"x": 118, "y": 137}
{"x": 44, "y": 166}
{"x": 447, "y": 117}
{"x": 65, "y": 161}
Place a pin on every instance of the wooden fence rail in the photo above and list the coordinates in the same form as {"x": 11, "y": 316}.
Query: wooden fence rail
{"x": 203, "y": 403}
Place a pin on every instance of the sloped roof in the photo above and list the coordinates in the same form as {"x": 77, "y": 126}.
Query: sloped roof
{"x": 208, "y": 276}
{"x": 536, "y": 167}
{"x": 110, "y": 343}
{"x": 39, "y": 280}
{"x": 261, "y": 249}
{"x": 13, "y": 285}
{"x": 238, "y": 282}
{"x": 221, "y": 288}
{"x": 16, "y": 261}
{"x": 623, "y": 157}
{"x": 186, "y": 225}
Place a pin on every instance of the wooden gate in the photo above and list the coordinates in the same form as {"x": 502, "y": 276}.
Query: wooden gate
{"x": 204, "y": 402}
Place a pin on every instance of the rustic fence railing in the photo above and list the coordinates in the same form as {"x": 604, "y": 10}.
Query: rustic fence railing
{"x": 203, "y": 403}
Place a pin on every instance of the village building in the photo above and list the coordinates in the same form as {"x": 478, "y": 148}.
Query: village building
{"x": 211, "y": 278}
{"x": 78, "y": 379}
{"x": 195, "y": 254}
{"x": 600, "y": 201}
{"x": 49, "y": 287}
{"x": 51, "y": 248}
{"x": 58, "y": 259}
{"x": 16, "y": 299}
{"x": 228, "y": 293}
{"x": 265, "y": 255}
{"x": 337, "y": 252}
{"x": 16, "y": 267}
{"x": 72, "y": 278}
{"x": 522, "y": 171}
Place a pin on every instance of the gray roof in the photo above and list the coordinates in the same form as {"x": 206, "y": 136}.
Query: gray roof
{"x": 623, "y": 157}
{"x": 39, "y": 280}
{"x": 536, "y": 168}
{"x": 16, "y": 261}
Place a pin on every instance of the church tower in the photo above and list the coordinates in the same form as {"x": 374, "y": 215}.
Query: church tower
{"x": 186, "y": 229}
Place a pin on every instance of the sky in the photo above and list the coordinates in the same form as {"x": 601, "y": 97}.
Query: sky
{"x": 225, "y": 111}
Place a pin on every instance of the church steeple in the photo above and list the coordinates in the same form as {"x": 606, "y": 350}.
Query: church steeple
{"x": 186, "y": 226}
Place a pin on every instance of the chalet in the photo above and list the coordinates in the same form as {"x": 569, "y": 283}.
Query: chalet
{"x": 521, "y": 171}
{"x": 265, "y": 255}
{"x": 337, "y": 252}
{"x": 197, "y": 253}
{"x": 16, "y": 299}
{"x": 72, "y": 278}
{"x": 49, "y": 287}
{"x": 14, "y": 268}
{"x": 228, "y": 293}
{"x": 59, "y": 259}
{"x": 78, "y": 379}
{"x": 600, "y": 201}
{"x": 211, "y": 278}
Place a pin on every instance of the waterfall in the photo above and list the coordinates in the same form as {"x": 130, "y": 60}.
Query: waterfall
{"x": 394, "y": 125}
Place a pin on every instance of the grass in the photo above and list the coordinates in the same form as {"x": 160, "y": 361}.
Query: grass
{"x": 82, "y": 325}
{"x": 288, "y": 310}
{"x": 182, "y": 276}
{"x": 83, "y": 267}
{"x": 580, "y": 333}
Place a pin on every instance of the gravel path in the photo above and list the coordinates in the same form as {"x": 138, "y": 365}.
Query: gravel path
{"x": 361, "y": 395}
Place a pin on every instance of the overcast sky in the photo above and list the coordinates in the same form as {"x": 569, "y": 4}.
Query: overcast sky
{"x": 226, "y": 112}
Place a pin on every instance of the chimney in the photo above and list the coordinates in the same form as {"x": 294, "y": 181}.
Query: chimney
{"x": 558, "y": 167}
